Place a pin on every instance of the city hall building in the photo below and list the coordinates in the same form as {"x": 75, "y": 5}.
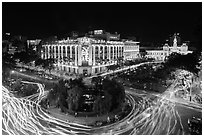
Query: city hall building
{"x": 175, "y": 46}
{"x": 91, "y": 53}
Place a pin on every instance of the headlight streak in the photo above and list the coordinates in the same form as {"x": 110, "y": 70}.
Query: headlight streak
{"x": 25, "y": 116}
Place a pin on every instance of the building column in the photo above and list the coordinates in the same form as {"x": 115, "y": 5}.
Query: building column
{"x": 79, "y": 55}
{"x": 90, "y": 55}
{"x": 109, "y": 52}
{"x": 62, "y": 52}
{"x": 58, "y": 52}
{"x": 75, "y": 55}
{"x": 70, "y": 51}
{"x": 99, "y": 51}
{"x": 42, "y": 53}
{"x": 94, "y": 61}
{"x": 48, "y": 52}
{"x": 103, "y": 52}
{"x": 116, "y": 52}
{"x": 55, "y": 51}
{"x": 122, "y": 51}
{"x": 66, "y": 50}
{"x": 113, "y": 52}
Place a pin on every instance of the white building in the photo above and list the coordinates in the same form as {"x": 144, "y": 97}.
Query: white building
{"x": 157, "y": 54}
{"x": 160, "y": 55}
{"x": 86, "y": 55}
{"x": 131, "y": 50}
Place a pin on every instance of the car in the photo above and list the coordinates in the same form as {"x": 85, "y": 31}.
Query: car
{"x": 195, "y": 126}
{"x": 98, "y": 123}
{"x": 22, "y": 70}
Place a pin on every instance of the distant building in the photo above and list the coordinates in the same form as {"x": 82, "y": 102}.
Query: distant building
{"x": 17, "y": 44}
{"x": 33, "y": 44}
{"x": 131, "y": 50}
{"x": 101, "y": 34}
{"x": 167, "y": 49}
{"x": 5, "y": 46}
{"x": 90, "y": 54}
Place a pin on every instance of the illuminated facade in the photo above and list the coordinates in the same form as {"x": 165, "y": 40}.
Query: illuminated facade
{"x": 131, "y": 50}
{"x": 90, "y": 54}
{"x": 83, "y": 55}
{"x": 160, "y": 55}
{"x": 33, "y": 43}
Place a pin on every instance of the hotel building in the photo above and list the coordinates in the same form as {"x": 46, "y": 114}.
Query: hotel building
{"x": 89, "y": 54}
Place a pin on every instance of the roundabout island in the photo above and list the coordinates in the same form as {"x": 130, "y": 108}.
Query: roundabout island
{"x": 100, "y": 102}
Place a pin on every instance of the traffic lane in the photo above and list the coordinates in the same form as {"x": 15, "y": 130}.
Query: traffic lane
{"x": 48, "y": 83}
{"x": 187, "y": 113}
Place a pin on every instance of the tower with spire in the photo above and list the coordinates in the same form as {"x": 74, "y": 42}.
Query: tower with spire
{"x": 175, "y": 41}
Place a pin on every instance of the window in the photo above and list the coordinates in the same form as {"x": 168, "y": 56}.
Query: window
{"x": 68, "y": 51}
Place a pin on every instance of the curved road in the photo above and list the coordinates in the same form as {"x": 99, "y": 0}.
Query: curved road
{"x": 151, "y": 115}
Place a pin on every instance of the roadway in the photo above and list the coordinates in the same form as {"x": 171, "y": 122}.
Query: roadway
{"x": 152, "y": 114}
{"x": 124, "y": 68}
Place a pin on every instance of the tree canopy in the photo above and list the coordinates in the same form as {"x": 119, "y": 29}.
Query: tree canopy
{"x": 107, "y": 95}
{"x": 190, "y": 62}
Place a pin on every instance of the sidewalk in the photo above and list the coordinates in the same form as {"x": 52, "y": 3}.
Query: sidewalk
{"x": 52, "y": 72}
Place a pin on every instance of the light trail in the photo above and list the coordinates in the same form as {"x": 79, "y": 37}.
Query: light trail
{"x": 148, "y": 116}
{"x": 23, "y": 116}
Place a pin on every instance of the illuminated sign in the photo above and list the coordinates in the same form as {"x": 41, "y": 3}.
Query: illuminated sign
{"x": 85, "y": 53}
{"x": 112, "y": 37}
{"x": 98, "y": 31}
{"x": 84, "y": 40}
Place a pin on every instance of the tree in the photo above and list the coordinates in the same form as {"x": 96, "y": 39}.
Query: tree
{"x": 20, "y": 43}
{"x": 48, "y": 64}
{"x": 190, "y": 62}
{"x": 116, "y": 91}
{"x": 39, "y": 62}
{"x": 73, "y": 97}
{"x": 143, "y": 53}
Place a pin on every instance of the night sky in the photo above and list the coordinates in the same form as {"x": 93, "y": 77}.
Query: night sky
{"x": 149, "y": 22}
